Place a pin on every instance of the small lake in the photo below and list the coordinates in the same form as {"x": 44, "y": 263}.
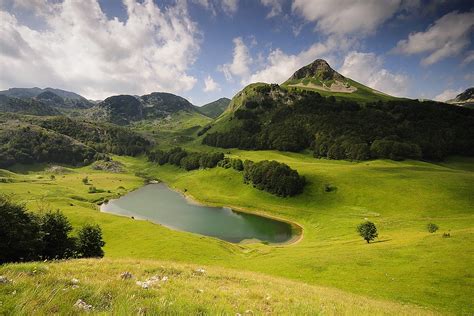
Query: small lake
{"x": 159, "y": 204}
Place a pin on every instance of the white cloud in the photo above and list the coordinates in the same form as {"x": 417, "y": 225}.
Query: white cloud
{"x": 342, "y": 17}
{"x": 447, "y": 37}
{"x": 447, "y": 95}
{"x": 210, "y": 85}
{"x": 83, "y": 50}
{"x": 469, "y": 57}
{"x": 368, "y": 69}
{"x": 241, "y": 61}
{"x": 280, "y": 66}
{"x": 230, "y": 6}
{"x": 276, "y": 7}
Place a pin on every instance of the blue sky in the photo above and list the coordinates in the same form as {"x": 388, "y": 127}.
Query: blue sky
{"x": 206, "y": 49}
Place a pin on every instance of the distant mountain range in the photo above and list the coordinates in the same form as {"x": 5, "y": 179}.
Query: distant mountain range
{"x": 124, "y": 109}
{"x": 55, "y": 98}
{"x": 215, "y": 108}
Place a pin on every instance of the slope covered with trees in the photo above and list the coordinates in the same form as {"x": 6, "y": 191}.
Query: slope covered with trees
{"x": 291, "y": 119}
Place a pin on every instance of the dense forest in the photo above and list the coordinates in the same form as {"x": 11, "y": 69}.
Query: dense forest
{"x": 29, "y": 144}
{"x": 63, "y": 140}
{"x": 105, "y": 138}
{"x": 293, "y": 120}
{"x": 274, "y": 177}
{"x": 185, "y": 159}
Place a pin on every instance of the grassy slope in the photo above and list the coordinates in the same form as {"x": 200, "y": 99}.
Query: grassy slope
{"x": 407, "y": 263}
{"x": 217, "y": 291}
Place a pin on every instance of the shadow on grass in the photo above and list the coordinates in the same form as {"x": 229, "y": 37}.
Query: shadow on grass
{"x": 378, "y": 241}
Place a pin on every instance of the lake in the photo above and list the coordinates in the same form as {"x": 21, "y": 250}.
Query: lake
{"x": 159, "y": 204}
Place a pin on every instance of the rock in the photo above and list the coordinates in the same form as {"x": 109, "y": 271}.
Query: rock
{"x": 126, "y": 275}
{"x": 151, "y": 281}
{"x": 75, "y": 286}
{"x": 80, "y": 304}
{"x": 200, "y": 271}
{"x": 74, "y": 281}
{"x": 4, "y": 280}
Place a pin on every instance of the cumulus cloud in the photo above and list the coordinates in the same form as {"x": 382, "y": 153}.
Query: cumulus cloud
{"x": 276, "y": 7}
{"x": 280, "y": 66}
{"x": 81, "y": 49}
{"x": 210, "y": 85}
{"x": 367, "y": 68}
{"x": 241, "y": 61}
{"x": 447, "y": 95}
{"x": 230, "y": 6}
{"x": 346, "y": 17}
{"x": 448, "y": 36}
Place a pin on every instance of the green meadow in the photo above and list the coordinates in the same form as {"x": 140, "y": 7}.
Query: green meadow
{"x": 405, "y": 265}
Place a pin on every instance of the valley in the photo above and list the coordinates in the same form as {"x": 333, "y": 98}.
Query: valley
{"x": 336, "y": 162}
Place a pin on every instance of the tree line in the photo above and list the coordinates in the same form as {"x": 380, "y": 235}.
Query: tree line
{"x": 294, "y": 120}
{"x": 185, "y": 159}
{"x": 271, "y": 176}
{"x": 25, "y": 236}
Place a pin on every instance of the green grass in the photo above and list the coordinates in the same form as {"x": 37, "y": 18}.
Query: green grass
{"x": 406, "y": 264}
{"x": 216, "y": 291}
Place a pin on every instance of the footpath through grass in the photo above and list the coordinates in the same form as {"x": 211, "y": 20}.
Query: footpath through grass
{"x": 406, "y": 263}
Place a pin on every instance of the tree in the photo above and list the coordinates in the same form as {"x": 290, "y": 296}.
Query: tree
{"x": 20, "y": 236}
{"x": 55, "y": 228}
{"x": 432, "y": 227}
{"x": 367, "y": 230}
{"x": 90, "y": 241}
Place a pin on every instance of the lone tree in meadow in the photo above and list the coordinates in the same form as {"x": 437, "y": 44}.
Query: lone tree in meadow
{"x": 367, "y": 230}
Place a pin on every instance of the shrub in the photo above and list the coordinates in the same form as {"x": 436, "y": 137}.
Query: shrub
{"x": 90, "y": 243}
{"x": 367, "y": 230}
{"x": 432, "y": 227}
{"x": 55, "y": 228}
{"x": 85, "y": 180}
{"x": 20, "y": 236}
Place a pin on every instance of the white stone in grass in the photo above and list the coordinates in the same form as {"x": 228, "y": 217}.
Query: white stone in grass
{"x": 80, "y": 304}
{"x": 4, "y": 280}
{"x": 74, "y": 281}
{"x": 200, "y": 271}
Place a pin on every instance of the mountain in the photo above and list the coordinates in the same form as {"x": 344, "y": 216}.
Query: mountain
{"x": 124, "y": 109}
{"x": 54, "y": 97}
{"x": 25, "y": 106}
{"x": 465, "y": 99}
{"x": 215, "y": 108}
{"x": 296, "y": 116}
{"x": 319, "y": 76}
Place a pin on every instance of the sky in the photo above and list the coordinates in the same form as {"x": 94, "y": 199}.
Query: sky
{"x": 207, "y": 49}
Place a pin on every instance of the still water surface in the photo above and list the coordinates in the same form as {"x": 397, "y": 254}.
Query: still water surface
{"x": 159, "y": 204}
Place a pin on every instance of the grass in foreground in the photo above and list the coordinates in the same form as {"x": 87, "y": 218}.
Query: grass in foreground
{"x": 48, "y": 288}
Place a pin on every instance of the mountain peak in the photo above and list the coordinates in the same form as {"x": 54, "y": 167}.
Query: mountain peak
{"x": 317, "y": 69}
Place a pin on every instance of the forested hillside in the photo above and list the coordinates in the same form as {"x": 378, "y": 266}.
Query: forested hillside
{"x": 291, "y": 119}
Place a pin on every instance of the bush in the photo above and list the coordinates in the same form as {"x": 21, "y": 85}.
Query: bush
{"x": 368, "y": 231}
{"x": 90, "y": 243}
{"x": 27, "y": 237}
{"x": 85, "y": 180}
{"x": 432, "y": 227}
{"x": 20, "y": 236}
{"x": 55, "y": 228}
